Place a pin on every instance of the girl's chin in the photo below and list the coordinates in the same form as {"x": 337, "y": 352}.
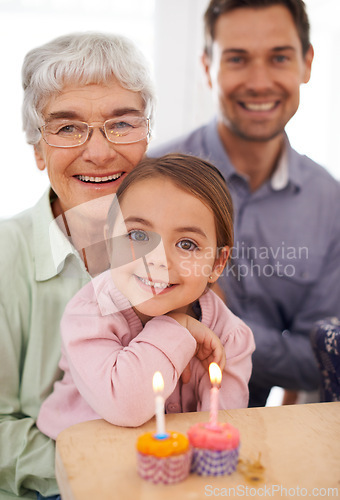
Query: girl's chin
{"x": 147, "y": 311}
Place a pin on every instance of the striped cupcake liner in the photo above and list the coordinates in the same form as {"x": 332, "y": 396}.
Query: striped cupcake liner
{"x": 164, "y": 470}
{"x": 213, "y": 462}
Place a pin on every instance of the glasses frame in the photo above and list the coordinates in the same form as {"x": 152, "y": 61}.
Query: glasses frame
{"x": 102, "y": 129}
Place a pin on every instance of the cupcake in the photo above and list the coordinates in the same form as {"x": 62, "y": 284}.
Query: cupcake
{"x": 166, "y": 460}
{"x": 215, "y": 448}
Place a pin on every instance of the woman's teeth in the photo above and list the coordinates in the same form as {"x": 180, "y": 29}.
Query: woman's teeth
{"x": 86, "y": 178}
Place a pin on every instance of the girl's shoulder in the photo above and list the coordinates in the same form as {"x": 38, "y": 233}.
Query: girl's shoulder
{"x": 217, "y": 316}
{"x": 99, "y": 296}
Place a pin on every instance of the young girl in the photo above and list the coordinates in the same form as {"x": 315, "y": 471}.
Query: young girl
{"x": 169, "y": 233}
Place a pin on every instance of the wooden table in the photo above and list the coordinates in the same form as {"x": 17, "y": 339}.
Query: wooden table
{"x": 286, "y": 452}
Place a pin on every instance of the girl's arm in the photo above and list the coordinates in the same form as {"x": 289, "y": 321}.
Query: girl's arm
{"x": 208, "y": 346}
{"x": 113, "y": 372}
{"x": 238, "y": 343}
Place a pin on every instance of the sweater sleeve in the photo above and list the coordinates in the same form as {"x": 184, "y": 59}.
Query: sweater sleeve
{"x": 238, "y": 342}
{"x": 112, "y": 371}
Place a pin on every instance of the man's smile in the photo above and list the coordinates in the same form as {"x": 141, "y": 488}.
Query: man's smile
{"x": 259, "y": 106}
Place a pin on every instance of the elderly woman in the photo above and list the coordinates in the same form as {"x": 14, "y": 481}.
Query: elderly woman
{"x": 88, "y": 105}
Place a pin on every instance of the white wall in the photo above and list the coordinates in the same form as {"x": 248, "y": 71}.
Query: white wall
{"x": 170, "y": 34}
{"x": 315, "y": 129}
{"x": 25, "y": 24}
{"x": 185, "y": 102}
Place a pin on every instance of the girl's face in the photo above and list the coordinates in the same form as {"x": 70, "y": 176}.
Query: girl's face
{"x": 170, "y": 237}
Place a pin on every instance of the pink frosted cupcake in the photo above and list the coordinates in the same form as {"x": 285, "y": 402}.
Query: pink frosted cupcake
{"x": 215, "y": 449}
{"x": 164, "y": 460}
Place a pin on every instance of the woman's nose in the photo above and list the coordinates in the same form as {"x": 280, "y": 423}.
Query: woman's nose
{"x": 97, "y": 147}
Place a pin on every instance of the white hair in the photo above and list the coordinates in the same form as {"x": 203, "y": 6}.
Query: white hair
{"x": 82, "y": 58}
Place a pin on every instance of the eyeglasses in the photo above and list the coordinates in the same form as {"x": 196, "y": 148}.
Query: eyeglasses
{"x": 63, "y": 133}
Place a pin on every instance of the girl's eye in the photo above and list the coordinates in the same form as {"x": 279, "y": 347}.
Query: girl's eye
{"x": 138, "y": 235}
{"x": 187, "y": 245}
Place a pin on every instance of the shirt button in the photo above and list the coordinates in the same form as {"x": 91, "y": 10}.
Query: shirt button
{"x": 173, "y": 408}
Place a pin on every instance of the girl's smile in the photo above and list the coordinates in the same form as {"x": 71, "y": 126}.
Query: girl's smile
{"x": 156, "y": 287}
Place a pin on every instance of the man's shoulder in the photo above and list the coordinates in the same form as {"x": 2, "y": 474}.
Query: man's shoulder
{"x": 315, "y": 175}
{"x": 189, "y": 143}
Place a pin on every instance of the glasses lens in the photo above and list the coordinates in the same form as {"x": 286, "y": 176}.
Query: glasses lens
{"x": 126, "y": 129}
{"x": 65, "y": 134}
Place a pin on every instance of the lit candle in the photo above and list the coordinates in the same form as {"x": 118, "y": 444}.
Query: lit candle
{"x": 215, "y": 379}
{"x": 158, "y": 386}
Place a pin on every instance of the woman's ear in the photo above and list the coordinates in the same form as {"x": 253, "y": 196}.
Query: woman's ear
{"x": 219, "y": 265}
{"x": 39, "y": 158}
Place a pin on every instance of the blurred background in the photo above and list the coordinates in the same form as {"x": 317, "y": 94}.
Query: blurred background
{"x": 169, "y": 32}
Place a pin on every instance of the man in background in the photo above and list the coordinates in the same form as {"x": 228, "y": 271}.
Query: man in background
{"x": 284, "y": 273}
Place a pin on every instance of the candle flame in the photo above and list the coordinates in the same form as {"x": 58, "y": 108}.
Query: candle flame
{"x": 158, "y": 382}
{"x": 215, "y": 374}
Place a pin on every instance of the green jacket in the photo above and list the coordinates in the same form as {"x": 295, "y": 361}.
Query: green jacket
{"x": 35, "y": 286}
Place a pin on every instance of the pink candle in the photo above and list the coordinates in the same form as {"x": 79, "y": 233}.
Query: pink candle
{"x": 215, "y": 378}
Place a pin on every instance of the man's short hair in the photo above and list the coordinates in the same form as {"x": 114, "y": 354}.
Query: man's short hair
{"x": 216, "y": 8}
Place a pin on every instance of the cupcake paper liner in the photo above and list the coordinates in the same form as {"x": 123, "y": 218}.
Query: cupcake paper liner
{"x": 213, "y": 462}
{"x": 164, "y": 470}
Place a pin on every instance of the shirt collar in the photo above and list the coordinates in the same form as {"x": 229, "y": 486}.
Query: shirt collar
{"x": 50, "y": 244}
{"x": 279, "y": 179}
{"x": 61, "y": 245}
{"x": 287, "y": 169}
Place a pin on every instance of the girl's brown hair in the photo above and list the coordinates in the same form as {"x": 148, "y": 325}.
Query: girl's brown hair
{"x": 192, "y": 174}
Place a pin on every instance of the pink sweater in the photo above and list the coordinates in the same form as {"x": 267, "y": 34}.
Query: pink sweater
{"x": 109, "y": 359}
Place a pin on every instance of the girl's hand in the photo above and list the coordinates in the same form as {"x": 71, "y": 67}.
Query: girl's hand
{"x": 209, "y": 347}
